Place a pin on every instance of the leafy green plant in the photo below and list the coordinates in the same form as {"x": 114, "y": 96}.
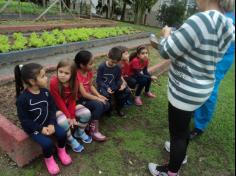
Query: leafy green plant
{"x": 4, "y": 46}
{"x": 19, "y": 42}
{"x": 48, "y": 39}
{"x": 35, "y": 41}
{"x": 60, "y": 38}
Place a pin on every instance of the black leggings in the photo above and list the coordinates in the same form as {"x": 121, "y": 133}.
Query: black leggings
{"x": 141, "y": 82}
{"x": 179, "y": 121}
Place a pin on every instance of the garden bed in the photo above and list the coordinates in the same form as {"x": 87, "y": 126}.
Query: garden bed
{"x": 29, "y": 54}
{"x": 8, "y": 27}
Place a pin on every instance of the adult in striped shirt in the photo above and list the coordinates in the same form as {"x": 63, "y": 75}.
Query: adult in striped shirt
{"x": 194, "y": 50}
{"x": 204, "y": 114}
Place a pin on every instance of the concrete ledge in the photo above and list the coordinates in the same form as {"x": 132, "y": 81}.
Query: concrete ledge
{"x": 16, "y": 143}
{"x": 24, "y": 55}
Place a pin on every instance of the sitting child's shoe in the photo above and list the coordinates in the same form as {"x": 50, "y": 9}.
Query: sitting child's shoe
{"x": 76, "y": 146}
{"x": 150, "y": 95}
{"x": 94, "y": 132}
{"x": 51, "y": 165}
{"x": 63, "y": 156}
{"x": 120, "y": 113}
{"x": 83, "y": 136}
{"x": 138, "y": 101}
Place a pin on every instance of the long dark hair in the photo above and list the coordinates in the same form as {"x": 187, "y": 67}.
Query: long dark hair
{"x": 137, "y": 52}
{"x": 83, "y": 57}
{"x": 23, "y": 74}
{"x": 72, "y": 81}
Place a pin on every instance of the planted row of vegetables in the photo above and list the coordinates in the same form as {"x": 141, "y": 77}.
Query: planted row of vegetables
{"x": 56, "y": 37}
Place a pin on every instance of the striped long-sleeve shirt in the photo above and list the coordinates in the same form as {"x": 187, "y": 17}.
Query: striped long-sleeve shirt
{"x": 194, "y": 50}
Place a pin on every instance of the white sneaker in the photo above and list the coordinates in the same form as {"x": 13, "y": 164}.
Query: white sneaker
{"x": 167, "y": 147}
{"x": 153, "y": 170}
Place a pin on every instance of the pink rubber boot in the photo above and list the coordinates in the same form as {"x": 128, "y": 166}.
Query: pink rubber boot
{"x": 150, "y": 95}
{"x": 51, "y": 165}
{"x": 63, "y": 156}
{"x": 94, "y": 131}
{"x": 138, "y": 101}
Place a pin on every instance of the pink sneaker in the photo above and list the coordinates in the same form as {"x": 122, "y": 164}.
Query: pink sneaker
{"x": 138, "y": 101}
{"x": 52, "y": 166}
{"x": 63, "y": 156}
{"x": 150, "y": 95}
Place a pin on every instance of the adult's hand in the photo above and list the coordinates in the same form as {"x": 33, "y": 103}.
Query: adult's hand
{"x": 166, "y": 31}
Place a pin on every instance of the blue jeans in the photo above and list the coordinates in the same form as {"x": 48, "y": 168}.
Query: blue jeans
{"x": 47, "y": 143}
{"x": 204, "y": 114}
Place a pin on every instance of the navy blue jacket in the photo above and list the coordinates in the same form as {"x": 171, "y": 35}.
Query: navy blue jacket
{"x": 35, "y": 110}
{"x": 108, "y": 77}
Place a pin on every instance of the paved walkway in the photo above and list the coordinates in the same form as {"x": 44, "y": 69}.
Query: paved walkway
{"x": 53, "y": 60}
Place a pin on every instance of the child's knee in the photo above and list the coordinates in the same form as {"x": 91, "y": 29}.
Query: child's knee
{"x": 83, "y": 114}
{"x": 62, "y": 121}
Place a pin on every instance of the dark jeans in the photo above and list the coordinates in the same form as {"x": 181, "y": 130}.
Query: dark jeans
{"x": 179, "y": 121}
{"x": 47, "y": 143}
{"x": 120, "y": 97}
{"x": 141, "y": 82}
{"x": 97, "y": 108}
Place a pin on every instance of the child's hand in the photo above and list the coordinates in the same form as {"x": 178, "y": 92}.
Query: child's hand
{"x": 102, "y": 97}
{"x": 51, "y": 129}
{"x": 154, "y": 78}
{"x": 72, "y": 122}
{"x": 110, "y": 91}
{"x": 122, "y": 87}
{"x": 45, "y": 131}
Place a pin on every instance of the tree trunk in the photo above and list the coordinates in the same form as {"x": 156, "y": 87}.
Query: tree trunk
{"x": 123, "y": 11}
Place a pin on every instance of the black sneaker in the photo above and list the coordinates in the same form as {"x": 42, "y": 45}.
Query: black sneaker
{"x": 196, "y": 132}
{"x": 120, "y": 113}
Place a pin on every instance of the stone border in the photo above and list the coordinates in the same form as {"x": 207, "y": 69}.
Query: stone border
{"x": 16, "y": 143}
{"x": 14, "y": 56}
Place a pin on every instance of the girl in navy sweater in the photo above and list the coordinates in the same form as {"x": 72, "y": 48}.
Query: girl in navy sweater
{"x": 37, "y": 113}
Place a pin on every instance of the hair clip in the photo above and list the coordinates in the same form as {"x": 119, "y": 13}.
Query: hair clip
{"x": 20, "y": 66}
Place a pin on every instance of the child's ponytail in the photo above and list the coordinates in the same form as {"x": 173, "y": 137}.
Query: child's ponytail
{"x": 23, "y": 75}
{"x": 18, "y": 81}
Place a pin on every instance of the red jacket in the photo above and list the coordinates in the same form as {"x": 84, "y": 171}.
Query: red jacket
{"x": 65, "y": 103}
{"x": 125, "y": 70}
{"x": 137, "y": 65}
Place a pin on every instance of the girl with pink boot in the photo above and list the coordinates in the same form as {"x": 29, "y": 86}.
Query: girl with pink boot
{"x": 37, "y": 114}
{"x": 88, "y": 94}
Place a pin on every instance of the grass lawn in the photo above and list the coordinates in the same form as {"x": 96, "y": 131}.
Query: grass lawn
{"x": 139, "y": 137}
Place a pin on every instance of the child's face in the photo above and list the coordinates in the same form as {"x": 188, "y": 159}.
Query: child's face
{"x": 143, "y": 54}
{"x": 64, "y": 74}
{"x": 90, "y": 65}
{"x": 41, "y": 79}
{"x": 112, "y": 63}
{"x": 125, "y": 56}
